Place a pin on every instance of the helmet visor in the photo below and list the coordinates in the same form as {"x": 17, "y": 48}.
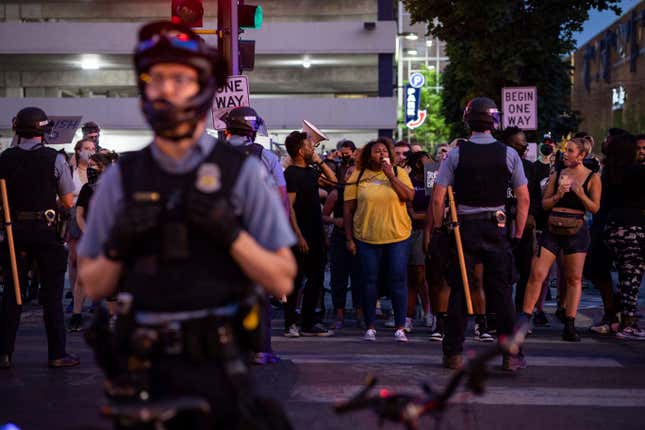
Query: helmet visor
{"x": 180, "y": 41}
{"x": 497, "y": 118}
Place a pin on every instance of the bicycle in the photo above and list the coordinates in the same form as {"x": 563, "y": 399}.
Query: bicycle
{"x": 407, "y": 409}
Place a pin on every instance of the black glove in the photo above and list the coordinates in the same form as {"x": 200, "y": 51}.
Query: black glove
{"x": 134, "y": 226}
{"x": 215, "y": 217}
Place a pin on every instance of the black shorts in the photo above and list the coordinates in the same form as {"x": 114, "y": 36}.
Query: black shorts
{"x": 573, "y": 244}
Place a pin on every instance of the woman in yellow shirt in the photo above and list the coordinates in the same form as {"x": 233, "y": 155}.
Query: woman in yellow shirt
{"x": 377, "y": 229}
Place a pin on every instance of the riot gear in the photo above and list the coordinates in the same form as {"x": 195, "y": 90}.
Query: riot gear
{"x": 165, "y": 42}
{"x": 244, "y": 121}
{"x": 32, "y": 122}
{"x": 481, "y": 114}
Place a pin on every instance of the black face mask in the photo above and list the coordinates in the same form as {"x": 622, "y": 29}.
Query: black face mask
{"x": 546, "y": 149}
{"x": 92, "y": 175}
{"x": 346, "y": 159}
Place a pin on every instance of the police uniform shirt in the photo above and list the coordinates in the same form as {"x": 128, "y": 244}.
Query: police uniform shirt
{"x": 270, "y": 161}
{"x": 446, "y": 175}
{"x": 252, "y": 198}
{"x": 62, "y": 170}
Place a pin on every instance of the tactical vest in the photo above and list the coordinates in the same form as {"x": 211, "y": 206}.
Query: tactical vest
{"x": 181, "y": 268}
{"x": 31, "y": 179}
{"x": 482, "y": 176}
{"x": 252, "y": 149}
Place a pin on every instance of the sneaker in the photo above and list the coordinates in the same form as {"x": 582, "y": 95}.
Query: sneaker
{"x": 292, "y": 331}
{"x": 428, "y": 320}
{"x": 632, "y": 332}
{"x": 75, "y": 323}
{"x": 606, "y": 325}
{"x": 408, "y": 325}
{"x": 68, "y": 360}
{"x": 481, "y": 334}
{"x": 436, "y": 336}
{"x": 400, "y": 336}
{"x": 390, "y": 322}
{"x": 540, "y": 319}
{"x": 262, "y": 358}
{"x": 370, "y": 335}
{"x": 317, "y": 330}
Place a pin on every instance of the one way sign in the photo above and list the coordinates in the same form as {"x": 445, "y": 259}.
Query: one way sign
{"x": 234, "y": 94}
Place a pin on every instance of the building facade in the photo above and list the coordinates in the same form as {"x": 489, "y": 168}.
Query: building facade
{"x": 609, "y": 77}
{"x": 328, "y": 62}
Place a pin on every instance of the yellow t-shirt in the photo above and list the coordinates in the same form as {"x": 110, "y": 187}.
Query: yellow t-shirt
{"x": 380, "y": 216}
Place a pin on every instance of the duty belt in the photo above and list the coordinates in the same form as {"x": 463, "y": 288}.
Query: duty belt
{"x": 48, "y": 215}
{"x": 496, "y": 216}
{"x": 160, "y": 318}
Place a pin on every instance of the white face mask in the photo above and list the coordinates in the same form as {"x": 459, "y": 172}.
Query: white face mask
{"x": 85, "y": 155}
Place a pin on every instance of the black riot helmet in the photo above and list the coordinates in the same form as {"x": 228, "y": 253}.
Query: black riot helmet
{"x": 166, "y": 42}
{"x": 31, "y": 122}
{"x": 481, "y": 114}
{"x": 244, "y": 121}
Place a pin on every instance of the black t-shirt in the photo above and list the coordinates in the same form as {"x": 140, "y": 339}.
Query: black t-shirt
{"x": 304, "y": 182}
{"x": 84, "y": 197}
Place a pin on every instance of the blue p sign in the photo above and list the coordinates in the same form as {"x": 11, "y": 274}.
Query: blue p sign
{"x": 417, "y": 80}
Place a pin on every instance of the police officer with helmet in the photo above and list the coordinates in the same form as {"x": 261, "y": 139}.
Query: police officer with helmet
{"x": 242, "y": 126}
{"x": 36, "y": 176}
{"x": 184, "y": 229}
{"x": 480, "y": 171}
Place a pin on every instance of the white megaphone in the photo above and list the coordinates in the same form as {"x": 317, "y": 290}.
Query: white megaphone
{"x": 315, "y": 136}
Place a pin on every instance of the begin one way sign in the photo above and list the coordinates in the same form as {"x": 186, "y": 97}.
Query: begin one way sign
{"x": 234, "y": 94}
{"x": 519, "y": 107}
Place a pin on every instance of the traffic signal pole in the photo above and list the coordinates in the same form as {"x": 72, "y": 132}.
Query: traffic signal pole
{"x": 227, "y": 24}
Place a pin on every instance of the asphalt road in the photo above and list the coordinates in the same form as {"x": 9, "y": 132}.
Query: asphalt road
{"x": 598, "y": 383}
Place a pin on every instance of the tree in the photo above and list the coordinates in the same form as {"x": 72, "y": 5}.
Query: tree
{"x": 507, "y": 43}
{"x": 434, "y": 130}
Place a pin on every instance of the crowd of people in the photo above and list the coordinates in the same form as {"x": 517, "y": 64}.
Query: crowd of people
{"x": 378, "y": 204}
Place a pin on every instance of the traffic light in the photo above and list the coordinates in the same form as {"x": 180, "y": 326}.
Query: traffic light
{"x": 188, "y": 12}
{"x": 249, "y": 16}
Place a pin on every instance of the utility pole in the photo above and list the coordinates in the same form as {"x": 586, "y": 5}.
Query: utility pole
{"x": 227, "y": 24}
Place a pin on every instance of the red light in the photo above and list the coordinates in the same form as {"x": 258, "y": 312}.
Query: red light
{"x": 383, "y": 393}
{"x": 183, "y": 37}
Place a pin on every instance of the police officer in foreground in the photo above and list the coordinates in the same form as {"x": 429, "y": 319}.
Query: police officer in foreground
{"x": 36, "y": 176}
{"x": 480, "y": 171}
{"x": 242, "y": 126}
{"x": 184, "y": 229}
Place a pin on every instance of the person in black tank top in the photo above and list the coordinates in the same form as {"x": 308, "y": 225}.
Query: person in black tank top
{"x": 570, "y": 193}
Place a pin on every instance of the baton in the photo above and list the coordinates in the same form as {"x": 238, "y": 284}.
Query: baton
{"x": 12, "y": 249}
{"x": 460, "y": 250}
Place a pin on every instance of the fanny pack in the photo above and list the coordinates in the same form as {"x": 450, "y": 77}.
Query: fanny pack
{"x": 564, "y": 223}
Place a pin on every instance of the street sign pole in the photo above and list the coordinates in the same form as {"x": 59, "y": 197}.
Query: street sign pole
{"x": 227, "y": 25}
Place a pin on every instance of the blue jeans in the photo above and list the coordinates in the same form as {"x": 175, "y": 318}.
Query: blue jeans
{"x": 343, "y": 267}
{"x": 394, "y": 257}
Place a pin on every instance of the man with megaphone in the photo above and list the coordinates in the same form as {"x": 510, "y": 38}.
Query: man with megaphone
{"x": 306, "y": 221}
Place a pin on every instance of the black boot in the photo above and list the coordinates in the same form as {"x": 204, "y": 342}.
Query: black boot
{"x": 569, "y": 333}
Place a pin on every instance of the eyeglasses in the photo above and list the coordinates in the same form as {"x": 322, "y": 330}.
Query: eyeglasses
{"x": 176, "y": 40}
{"x": 178, "y": 80}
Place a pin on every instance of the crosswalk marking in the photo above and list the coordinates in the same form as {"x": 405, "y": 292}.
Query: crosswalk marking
{"x": 425, "y": 359}
{"x": 530, "y": 396}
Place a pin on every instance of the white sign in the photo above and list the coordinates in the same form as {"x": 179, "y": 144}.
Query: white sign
{"x": 234, "y": 94}
{"x": 63, "y": 130}
{"x": 417, "y": 80}
{"x": 618, "y": 96}
{"x": 519, "y": 107}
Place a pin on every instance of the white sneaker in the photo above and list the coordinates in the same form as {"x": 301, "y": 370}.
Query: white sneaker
{"x": 408, "y": 325}
{"x": 370, "y": 335}
{"x": 400, "y": 336}
{"x": 390, "y": 322}
{"x": 292, "y": 331}
{"x": 429, "y": 320}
